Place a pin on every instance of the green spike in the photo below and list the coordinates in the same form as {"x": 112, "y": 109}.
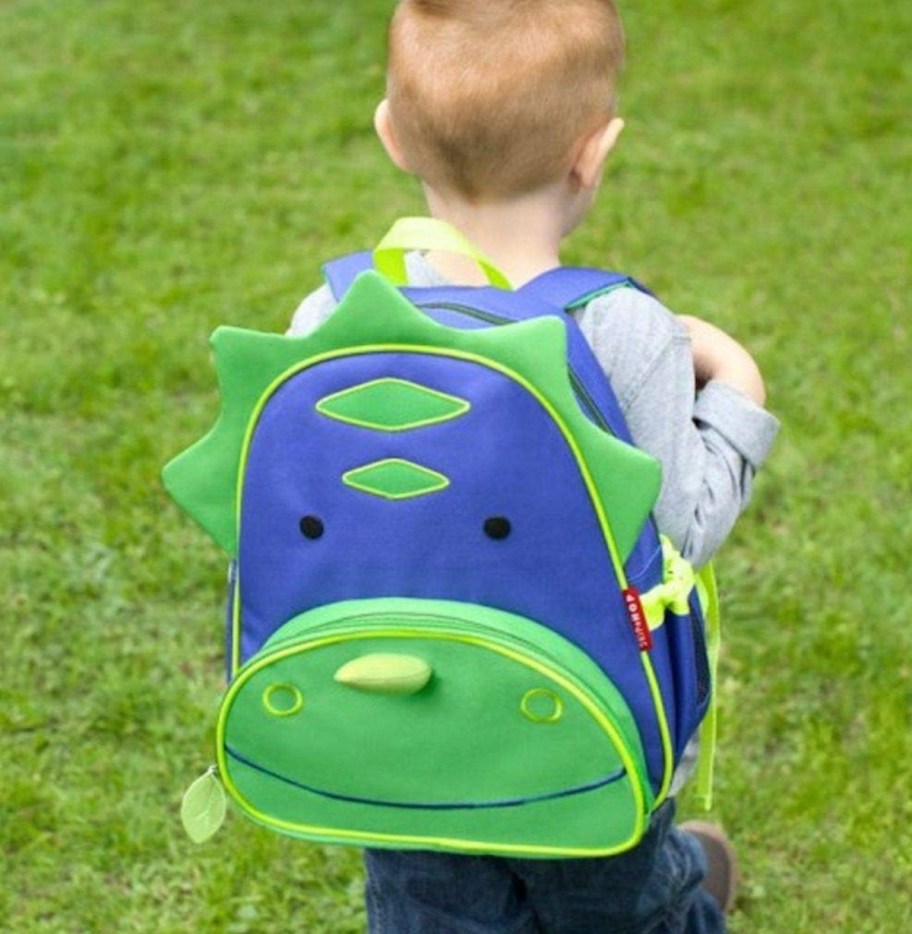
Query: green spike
{"x": 203, "y": 480}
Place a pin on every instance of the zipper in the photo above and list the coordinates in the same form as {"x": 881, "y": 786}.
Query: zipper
{"x": 367, "y": 622}
{"x": 586, "y": 400}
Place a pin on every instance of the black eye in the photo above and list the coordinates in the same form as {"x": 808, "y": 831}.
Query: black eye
{"x": 311, "y": 526}
{"x": 497, "y": 527}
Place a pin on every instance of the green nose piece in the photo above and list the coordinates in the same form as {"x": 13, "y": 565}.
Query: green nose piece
{"x": 385, "y": 673}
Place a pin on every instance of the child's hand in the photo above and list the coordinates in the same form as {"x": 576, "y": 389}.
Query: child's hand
{"x": 717, "y": 356}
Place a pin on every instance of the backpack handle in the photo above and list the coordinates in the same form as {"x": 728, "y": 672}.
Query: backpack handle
{"x": 428, "y": 233}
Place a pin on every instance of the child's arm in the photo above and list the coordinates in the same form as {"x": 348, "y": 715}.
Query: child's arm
{"x": 718, "y": 356}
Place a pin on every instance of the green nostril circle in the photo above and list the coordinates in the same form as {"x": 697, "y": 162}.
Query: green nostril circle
{"x": 282, "y": 700}
{"x": 541, "y": 706}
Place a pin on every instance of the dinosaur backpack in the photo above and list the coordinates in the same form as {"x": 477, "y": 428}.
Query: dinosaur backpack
{"x": 452, "y": 623}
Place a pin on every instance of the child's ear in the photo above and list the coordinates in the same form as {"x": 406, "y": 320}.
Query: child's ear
{"x": 383, "y": 124}
{"x": 590, "y": 162}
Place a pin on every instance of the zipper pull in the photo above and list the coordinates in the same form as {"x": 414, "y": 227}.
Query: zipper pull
{"x": 203, "y": 806}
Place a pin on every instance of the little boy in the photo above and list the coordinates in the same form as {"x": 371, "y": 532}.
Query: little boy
{"x": 506, "y": 112}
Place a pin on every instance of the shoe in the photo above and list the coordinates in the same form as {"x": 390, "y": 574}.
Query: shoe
{"x": 721, "y": 879}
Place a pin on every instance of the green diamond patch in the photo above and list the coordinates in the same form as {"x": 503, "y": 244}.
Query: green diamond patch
{"x": 392, "y": 405}
{"x": 395, "y": 478}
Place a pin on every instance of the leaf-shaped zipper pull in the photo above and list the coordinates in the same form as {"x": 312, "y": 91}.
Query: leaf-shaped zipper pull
{"x": 203, "y": 807}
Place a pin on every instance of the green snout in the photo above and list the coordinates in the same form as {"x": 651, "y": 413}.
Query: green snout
{"x": 385, "y": 673}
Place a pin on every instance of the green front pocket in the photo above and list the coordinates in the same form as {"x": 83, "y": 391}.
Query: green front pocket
{"x": 433, "y": 725}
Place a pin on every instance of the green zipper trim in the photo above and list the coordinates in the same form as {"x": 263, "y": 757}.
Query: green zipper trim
{"x": 597, "y": 293}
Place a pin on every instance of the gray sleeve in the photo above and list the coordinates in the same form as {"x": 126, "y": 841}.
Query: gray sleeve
{"x": 710, "y": 444}
{"x": 312, "y": 312}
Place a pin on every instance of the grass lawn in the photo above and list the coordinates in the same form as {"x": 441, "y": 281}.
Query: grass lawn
{"x": 167, "y": 167}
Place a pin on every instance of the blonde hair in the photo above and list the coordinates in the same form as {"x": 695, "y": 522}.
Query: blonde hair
{"x": 490, "y": 97}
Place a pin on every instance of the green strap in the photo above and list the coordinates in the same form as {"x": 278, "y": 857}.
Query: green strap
{"x": 428, "y": 233}
{"x": 709, "y": 597}
{"x": 678, "y": 580}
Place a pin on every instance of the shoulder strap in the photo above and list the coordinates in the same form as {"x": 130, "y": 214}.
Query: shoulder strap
{"x": 572, "y": 287}
{"x": 341, "y": 273}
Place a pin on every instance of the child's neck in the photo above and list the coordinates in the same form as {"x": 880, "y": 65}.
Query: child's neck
{"x": 521, "y": 236}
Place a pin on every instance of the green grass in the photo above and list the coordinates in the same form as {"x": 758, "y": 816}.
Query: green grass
{"x": 166, "y": 167}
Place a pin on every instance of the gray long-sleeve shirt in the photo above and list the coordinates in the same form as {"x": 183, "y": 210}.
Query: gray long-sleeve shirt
{"x": 710, "y": 444}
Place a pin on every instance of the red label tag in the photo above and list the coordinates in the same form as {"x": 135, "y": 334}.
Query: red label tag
{"x": 638, "y": 619}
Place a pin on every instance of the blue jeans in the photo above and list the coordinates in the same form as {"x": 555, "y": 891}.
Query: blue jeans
{"x": 652, "y": 889}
